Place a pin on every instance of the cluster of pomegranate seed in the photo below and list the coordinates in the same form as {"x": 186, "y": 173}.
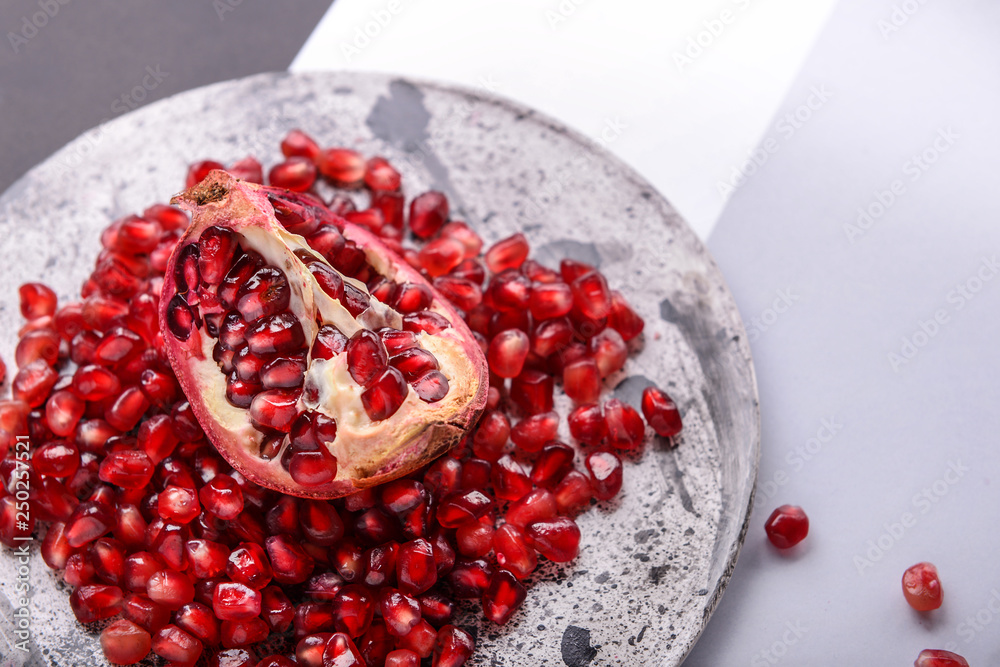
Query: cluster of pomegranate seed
{"x": 152, "y": 528}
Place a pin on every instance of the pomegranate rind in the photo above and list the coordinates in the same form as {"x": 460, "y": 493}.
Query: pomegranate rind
{"x": 378, "y": 452}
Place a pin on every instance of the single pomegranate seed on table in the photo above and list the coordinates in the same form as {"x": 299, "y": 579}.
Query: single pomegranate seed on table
{"x": 503, "y": 596}
{"x": 299, "y": 144}
{"x": 380, "y": 175}
{"x": 36, "y": 345}
{"x": 538, "y": 505}
{"x": 95, "y": 602}
{"x": 532, "y": 433}
{"x": 557, "y": 539}
{"x": 939, "y": 658}
{"x": 625, "y": 429}
{"x": 787, "y": 526}
{"x": 661, "y": 412}
{"x": 582, "y": 380}
{"x": 922, "y": 587}
{"x": 343, "y": 166}
{"x": 37, "y": 300}
{"x": 605, "y": 474}
{"x": 453, "y": 647}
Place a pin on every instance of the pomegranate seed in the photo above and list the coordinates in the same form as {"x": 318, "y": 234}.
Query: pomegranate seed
{"x": 582, "y": 380}
{"x": 370, "y": 219}
{"x": 552, "y": 464}
{"x": 922, "y": 588}
{"x": 552, "y": 336}
{"x": 591, "y": 295}
{"x": 420, "y": 640}
{"x": 623, "y": 319}
{"x": 55, "y": 549}
{"x": 416, "y": 570}
{"x": 402, "y": 658}
{"x": 95, "y": 602}
{"x": 107, "y": 555}
{"x": 557, "y": 539}
{"x": 171, "y": 589}
{"x": 340, "y": 651}
{"x": 475, "y": 474}
{"x": 538, "y": 505}
{"x": 222, "y": 497}
{"x": 491, "y": 436}
{"x": 128, "y": 469}
{"x": 248, "y": 565}
{"x": 549, "y": 301}
{"x": 276, "y": 609}
{"x": 503, "y": 596}
{"x": 199, "y": 170}
{"x": 277, "y": 661}
{"x": 320, "y": 522}
{"x": 605, "y": 474}
{"x": 510, "y": 481}
{"x": 587, "y": 424}
{"x": 462, "y": 293}
{"x": 366, "y": 357}
{"x": 309, "y": 650}
{"x": 233, "y": 657}
{"x": 247, "y": 169}
{"x": 509, "y": 292}
{"x": 235, "y": 601}
{"x": 441, "y": 255}
{"x": 291, "y": 564}
{"x": 274, "y": 410}
{"x": 425, "y": 321}
{"x": 625, "y": 426}
{"x": 508, "y": 253}
{"x": 144, "y": 612}
{"x": 454, "y": 646}
{"x": 299, "y": 144}
{"x": 475, "y": 538}
{"x": 428, "y": 212}
{"x": 385, "y": 396}
{"x": 79, "y": 571}
{"x": 56, "y": 459}
{"x": 346, "y": 168}
{"x": 37, "y": 300}
{"x": 178, "y": 504}
{"x": 125, "y": 643}
{"x": 89, "y": 521}
{"x": 661, "y": 412}
{"x": 401, "y": 612}
{"x": 393, "y": 208}
{"x": 138, "y": 568}
{"x": 787, "y": 526}
{"x": 462, "y": 507}
{"x": 33, "y": 383}
{"x": 437, "y": 608}
{"x": 296, "y": 173}
{"x": 243, "y": 632}
{"x": 532, "y": 433}
{"x": 532, "y": 391}
{"x": 127, "y": 409}
{"x": 380, "y": 175}
{"x": 939, "y": 658}
{"x": 37, "y": 345}
{"x": 353, "y": 608}
{"x": 512, "y": 551}
{"x": 507, "y": 353}
{"x": 130, "y": 526}
{"x": 172, "y": 643}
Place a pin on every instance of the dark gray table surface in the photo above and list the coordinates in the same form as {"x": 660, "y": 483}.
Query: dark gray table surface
{"x": 69, "y": 65}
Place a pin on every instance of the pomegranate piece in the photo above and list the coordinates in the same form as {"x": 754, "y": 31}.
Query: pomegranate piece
{"x": 233, "y": 657}
{"x": 625, "y": 429}
{"x": 145, "y": 613}
{"x": 428, "y": 212}
{"x": 454, "y": 646}
{"x": 557, "y": 539}
{"x": 503, "y": 596}
{"x": 787, "y": 526}
{"x": 248, "y": 342}
{"x": 939, "y": 658}
{"x": 513, "y": 552}
{"x": 538, "y": 505}
{"x": 95, "y": 602}
{"x": 416, "y": 570}
{"x": 125, "y": 643}
{"x": 661, "y": 412}
{"x": 233, "y": 601}
{"x": 37, "y": 300}
{"x": 922, "y": 587}
{"x": 340, "y": 651}
{"x": 605, "y": 474}
{"x": 172, "y": 643}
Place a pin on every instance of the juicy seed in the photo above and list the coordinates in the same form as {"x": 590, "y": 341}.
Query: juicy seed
{"x": 922, "y": 587}
{"x": 385, "y": 395}
{"x": 180, "y": 318}
{"x": 661, "y": 412}
{"x": 431, "y": 387}
{"x": 428, "y": 212}
{"x": 329, "y": 342}
{"x": 278, "y": 334}
{"x": 625, "y": 427}
{"x": 605, "y": 474}
{"x": 557, "y": 539}
{"x": 503, "y": 596}
{"x": 218, "y": 245}
{"x": 266, "y": 293}
{"x": 939, "y": 658}
{"x": 787, "y": 526}
{"x": 275, "y": 410}
{"x": 508, "y": 253}
{"x": 366, "y": 357}
{"x": 507, "y": 353}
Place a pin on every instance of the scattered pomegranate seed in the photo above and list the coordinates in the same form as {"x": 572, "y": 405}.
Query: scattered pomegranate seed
{"x": 939, "y": 658}
{"x": 661, "y": 412}
{"x": 343, "y": 166}
{"x": 922, "y": 588}
{"x": 125, "y": 643}
{"x": 299, "y": 144}
{"x": 787, "y": 526}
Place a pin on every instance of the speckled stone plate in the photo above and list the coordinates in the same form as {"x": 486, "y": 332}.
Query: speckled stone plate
{"x": 655, "y": 561}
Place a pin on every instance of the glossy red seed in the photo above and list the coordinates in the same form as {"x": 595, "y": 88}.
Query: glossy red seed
{"x": 539, "y": 505}
{"x": 35, "y": 345}
{"x": 552, "y": 464}
{"x": 787, "y": 526}
{"x": 329, "y": 342}
{"x": 463, "y": 507}
{"x": 441, "y": 255}
{"x": 939, "y": 658}
{"x": 172, "y": 643}
{"x": 503, "y": 597}
{"x": 125, "y": 643}
{"x": 586, "y": 424}
{"x": 36, "y": 300}
{"x": 247, "y": 169}
{"x": 532, "y": 391}
{"x": 343, "y": 166}
{"x": 385, "y": 396}
{"x": 178, "y": 504}
{"x": 416, "y": 570}
{"x": 95, "y": 602}
{"x": 491, "y": 435}
{"x": 33, "y": 383}
{"x": 551, "y": 336}
{"x": 605, "y": 474}
{"x": 582, "y": 380}
{"x": 922, "y": 587}
{"x": 296, "y": 173}
{"x": 549, "y": 301}
{"x": 428, "y": 212}
{"x": 453, "y": 647}
{"x": 171, "y": 589}
{"x": 144, "y": 612}
{"x": 235, "y": 601}
{"x": 290, "y": 563}
{"x": 623, "y": 319}
{"x": 513, "y": 552}
{"x": 557, "y": 539}
{"x": 277, "y": 609}
{"x": 275, "y": 410}
{"x": 299, "y": 144}
{"x": 661, "y": 412}
{"x": 510, "y": 480}
{"x": 266, "y": 293}
{"x": 532, "y": 433}
{"x": 625, "y": 426}
{"x": 340, "y": 651}
{"x": 508, "y": 253}
{"x": 56, "y": 459}
{"x": 402, "y": 658}
{"x": 426, "y": 321}
{"x": 126, "y": 468}
{"x": 507, "y": 353}
{"x": 366, "y": 357}
{"x": 380, "y": 175}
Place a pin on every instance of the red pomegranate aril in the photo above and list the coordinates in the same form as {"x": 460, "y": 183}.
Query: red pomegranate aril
{"x": 346, "y": 168}
{"x": 348, "y": 558}
{"x": 178, "y": 504}
{"x": 401, "y": 612}
{"x": 475, "y": 538}
{"x": 381, "y": 176}
{"x": 353, "y": 609}
{"x": 144, "y": 612}
{"x": 118, "y": 346}
{"x": 380, "y": 565}
{"x": 470, "y": 269}
{"x": 139, "y": 567}
{"x": 89, "y": 521}
{"x": 428, "y": 212}
{"x": 275, "y": 410}
{"x": 233, "y": 657}
{"x": 55, "y": 549}
{"x": 107, "y": 555}
{"x": 420, "y": 640}
{"x": 222, "y": 497}
{"x": 296, "y": 173}
{"x": 510, "y": 481}
{"x": 384, "y": 397}
{"x": 625, "y": 427}
{"x": 532, "y": 433}
{"x": 172, "y": 643}
{"x": 582, "y": 380}
{"x": 453, "y": 647}
{"x": 605, "y": 474}
{"x": 340, "y": 651}
{"x": 299, "y": 144}
{"x": 661, "y": 412}
{"x": 503, "y": 597}
{"x": 79, "y": 571}
{"x": 402, "y": 658}
{"x": 128, "y": 469}
{"x": 127, "y": 409}
{"x": 539, "y": 505}
{"x": 371, "y": 219}
{"x": 441, "y": 256}
{"x": 158, "y": 387}
{"x": 416, "y": 570}
{"x": 366, "y": 357}
{"x": 507, "y": 353}
{"x": 244, "y": 632}
{"x": 512, "y": 551}
{"x": 551, "y": 336}
{"x": 462, "y": 293}
{"x": 552, "y": 464}
{"x": 475, "y": 474}
{"x": 462, "y": 507}
{"x": 277, "y": 609}
{"x": 247, "y": 169}
{"x": 130, "y": 526}
{"x": 939, "y": 658}
{"x": 309, "y": 650}
{"x": 532, "y": 391}
{"x": 491, "y": 436}
{"x": 279, "y": 661}
{"x": 411, "y": 297}
{"x": 591, "y": 295}
{"x": 436, "y": 607}
{"x": 248, "y": 565}
{"x": 557, "y": 539}
{"x": 587, "y": 424}
{"x": 549, "y": 301}
{"x": 199, "y": 170}
{"x": 787, "y": 526}
{"x": 922, "y": 587}
{"x": 95, "y": 602}
{"x": 234, "y": 601}
{"x": 431, "y": 387}
{"x": 414, "y": 362}
{"x": 509, "y": 291}
{"x": 56, "y": 459}
{"x": 33, "y": 383}
{"x": 278, "y": 334}
{"x": 171, "y": 589}
{"x": 508, "y": 253}
{"x": 36, "y": 300}
{"x": 320, "y": 522}
{"x": 623, "y": 319}
{"x": 290, "y": 563}
{"x": 35, "y": 345}
{"x": 125, "y": 643}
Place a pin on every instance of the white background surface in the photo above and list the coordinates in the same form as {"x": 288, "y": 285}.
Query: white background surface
{"x": 917, "y": 441}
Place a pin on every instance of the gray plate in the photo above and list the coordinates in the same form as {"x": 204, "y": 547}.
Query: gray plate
{"x": 655, "y": 561}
